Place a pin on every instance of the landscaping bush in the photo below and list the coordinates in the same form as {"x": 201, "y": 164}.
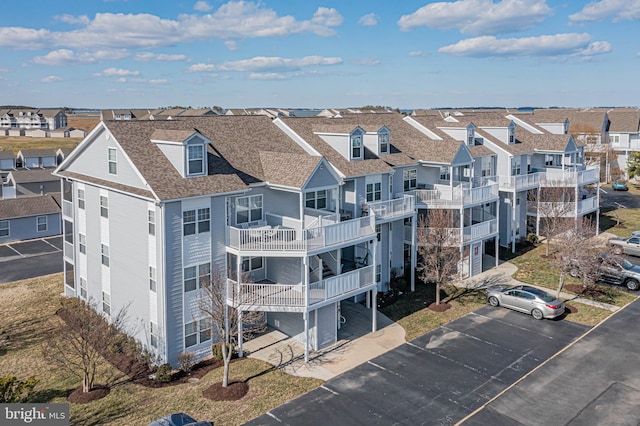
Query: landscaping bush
{"x": 186, "y": 360}
{"x": 216, "y": 350}
{"x": 14, "y": 390}
{"x": 163, "y": 375}
{"x": 533, "y": 238}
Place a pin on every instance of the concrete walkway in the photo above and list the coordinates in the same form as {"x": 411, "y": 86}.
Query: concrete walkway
{"x": 356, "y": 345}
{"x": 503, "y": 274}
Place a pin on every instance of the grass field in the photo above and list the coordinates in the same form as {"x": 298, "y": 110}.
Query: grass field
{"x": 16, "y": 143}
{"x": 28, "y": 317}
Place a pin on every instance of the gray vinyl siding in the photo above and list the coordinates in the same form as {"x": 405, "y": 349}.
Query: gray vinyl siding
{"x": 33, "y": 188}
{"x": 7, "y": 164}
{"x": 505, "y": 219}
{"x": 321, "y": 178}
{"x": 218, "y": 233}
{"x": 360, "y": 196}
{"x": 327, "y": 326}
{"x": 25, "y": 228}
{"x": 129, "y": 259}
{"x": 284, "y": 270}
{"x": 290, "y": 323}
{"x": 94, "y": 162}
{"x": 280, "y": 202}
{"x": 94, "y": 263}
{"x": 173, "y": 281}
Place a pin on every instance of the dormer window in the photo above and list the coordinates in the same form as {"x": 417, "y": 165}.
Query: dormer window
{"x": 512, "y": 133}
{"x": 470, "y": 135}
{"x": 195, "y": 159}
{"x": 356, "y": 145}
{"x": 383, "y": 141}
{"x": 566, "y": 126}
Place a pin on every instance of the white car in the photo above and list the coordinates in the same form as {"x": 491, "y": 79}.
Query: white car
{"x": 635, "y": 234}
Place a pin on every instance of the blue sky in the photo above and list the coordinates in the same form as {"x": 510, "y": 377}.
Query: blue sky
{"x": 315, "y": 54}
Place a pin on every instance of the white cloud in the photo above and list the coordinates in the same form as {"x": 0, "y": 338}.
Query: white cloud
{"x": 113, "y": 72}
{"x": 71, "y": 19}
{"x": 267, "y": 76}
{"x": 418, "y": 53}
{"x": 546, "y": 45}
{"x": 620, "y": 10}
{"x": 367, "y": 62}
{"x": 202, "y": 6}
{"x": 148, "y": 56}
{"x": 68, "y": 57}
{"x": 478, "y": 16}
{"x": 159, "y": 81}
{"x": 51, "y": 79}
{"x": 231, "y": 45}
{"x": 369, "y": 20}
{"x": 267, "y": 63}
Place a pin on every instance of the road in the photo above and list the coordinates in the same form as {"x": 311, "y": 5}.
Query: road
{"x": 29, "y": 259}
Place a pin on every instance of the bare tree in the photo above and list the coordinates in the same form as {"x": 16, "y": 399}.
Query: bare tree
{"x": 554, "y": 205}
{"x": 438, "y": 247}
{"x": 581, "y": 253}
{"x": 85, "y": 335}
{"x": 231, "y": 314}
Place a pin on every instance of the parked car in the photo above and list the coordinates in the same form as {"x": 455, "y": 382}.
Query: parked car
{"x": 178, "y": 419}
{"x": 616, "y": 271}
{"x": 635, "y": 234}
{"x": 626, "y": 245}
{"x": 523, "y": 298}
{"x": 619, "y": 186}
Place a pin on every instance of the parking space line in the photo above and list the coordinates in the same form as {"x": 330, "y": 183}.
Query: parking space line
{"x": 462, "y": 364}
{"x": 57, "y": 249}
{"x": 329, "y": 390}
{"x": 270, "y": 414}
{"x": 20, "y": 254}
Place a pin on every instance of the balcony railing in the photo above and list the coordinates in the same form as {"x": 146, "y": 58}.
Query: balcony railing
{"x": 399, "y": 207}
{"x": 480, "y": 230}
{"x": 341, "y": 284}
{"x": 268, "y": 238}
{"x": 445, "y": 196}
{"x": 587, "y": 205}
{"x": 68, "y": 250}
{"x": 590, "y": 174}
{"x": 520, "y": 182}
{"x": 67, "y": 209}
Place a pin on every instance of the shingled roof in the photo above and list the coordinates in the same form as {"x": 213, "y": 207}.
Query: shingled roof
{"x": 33, "y": 175}
{"x": 624, "y": 121}
{"x": 28, "y": 206}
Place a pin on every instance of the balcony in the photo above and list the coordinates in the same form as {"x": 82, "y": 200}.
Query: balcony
{"x": 443, "y": 196}
{"x": 273, "y": 239}
{"x": 67, "y": 209}
{"x": 475, "y": 232}
{"x": 587, "y": 205}
{"x": 293, "y": 297}
{"x": 520, "y": 182}
{"x": 568, "y": 177}
{"x": 392, "y": 209}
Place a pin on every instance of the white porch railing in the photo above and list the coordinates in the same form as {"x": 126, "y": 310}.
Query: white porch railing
{"x": 268, "y": 238}
{"x": 590, "y": 174}
{"x": 256, "y": 296}
{"x": 520, "y": 182}
{"x": 553, "y": 209}
{"x": 587, "y": 205}
{"x": 444, "y": 196}
{"x": 68, "y": 250}
{"x": 67, "y": 209}
{"x": 392, "y": 208}
{"x": 341, "y": 284}
{"x": 480, "y": 230}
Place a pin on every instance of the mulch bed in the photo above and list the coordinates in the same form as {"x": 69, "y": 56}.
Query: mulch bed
{"x": 233, "y": 392}
{"x": 79, "y": 397}
{"x": 439, "y": 308}
{"x": 593, "y": 292}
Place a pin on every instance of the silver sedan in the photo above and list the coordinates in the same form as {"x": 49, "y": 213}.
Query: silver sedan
{"x": 530, "y": 300}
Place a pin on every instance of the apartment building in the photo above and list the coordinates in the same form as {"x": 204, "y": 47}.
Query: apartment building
{"x": 33, "y": 119}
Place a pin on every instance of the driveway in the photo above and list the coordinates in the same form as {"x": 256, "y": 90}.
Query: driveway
{"x": 438, "y": 378}
{"x": 28, "y": 259}
{"x": 594, "y": 382}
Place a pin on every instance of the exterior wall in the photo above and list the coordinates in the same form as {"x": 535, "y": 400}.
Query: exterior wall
{"x": 25, "y": 228}
{"x": 500, "y": 133}
{"x": 327, "y": 326}
{"x": 7, "y": 164}
{"x": 277, "y": 202}
{"x": 340, "y": 143}
{"x": 218, "y": 234}
{"x": 321, "y": 178}
{"x": 555, "y": 128}
{"x": 290, "y": 323}
{"x": 33, "y": 188}
{"x": 175, "y": 154}
{"x": 94, "y": 162}
{"x": 284, "y": 270}
{"x": 174, "y": 291}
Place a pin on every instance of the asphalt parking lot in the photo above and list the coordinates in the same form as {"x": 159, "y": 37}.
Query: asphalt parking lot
{"x": 28, "y": 259}
{"x": 438, "y": 378}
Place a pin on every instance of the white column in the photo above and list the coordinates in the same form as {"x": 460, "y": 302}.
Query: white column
{"x": 513, "y": 222}
{"x": 306, "y": 336}
{"x": 414, "y": 250}
{"x": 374, "y": 321}
{"x": 240, "y": 352}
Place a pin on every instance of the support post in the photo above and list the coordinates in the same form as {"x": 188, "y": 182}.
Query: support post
{"x": 414, "y": 250}
{"x": 513, "y": 222}
{"x": 374, "y": 321}
{"x": 306, "y": 336}
{"x": 240, "y": 351}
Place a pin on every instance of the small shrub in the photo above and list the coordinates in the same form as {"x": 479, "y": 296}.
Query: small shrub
{"x": 533, "y": 238}
{"x": 163, "y": 375}
{"x": 186, "y": 360}
{"x": 216, "y": 350}
{"x": 14, "y": 390}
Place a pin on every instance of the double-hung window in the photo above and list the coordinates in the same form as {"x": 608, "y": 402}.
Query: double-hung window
{"x": 194, "y": 221}
{"x": 196, "y": 276}
{"x": 104, "y": 206}
{"x": 512, "y": 134}
{"x": 41, "y": 223}
{"x": 151, "y": 219}
{"x": 81, "y": 199}
{"x": 249, "y": 209}
{"x": 83, "y": 287}
{"x": 356, "y": 146}
{"x": 410, "y": 179}
{"x": 250, "y": 264}
{"x": 204, "y": 222}
{"x": 82, "y": 243}
{"x": 444, "y": 173}
{"x": 195, "y": 159}
{"x": 106, "y": 303}
{"x": 374, "y": 191}
{"x": 104, "y": 249}
{"x": 515, "y": 166}
{"x": 383, "y": 140}
{"x": 113, "y": 163}
{"x": 198, "y": 331}
{"x": 316, "y": 199}
{"x": 153, "y": 332}
{"x": 152, "y": 279}
{"x": 189, "y": 222}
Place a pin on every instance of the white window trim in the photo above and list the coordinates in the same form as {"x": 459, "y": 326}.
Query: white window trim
{"x": 83, "y": 287}
{"x": 352, "y": 136}
{"x": 249, "y": 209}
{"x": 249, "y": 261}
{"x": 104, "y": 253}
{"x": 104, "y": 207}
{"x": 153, "y": 282}
{"x": 376, "y": 195}
{"x": 406, "y": 177}
{"x": 381, "y": 135}
{"x": 81, "y": 199}
{"x": 202, "y": 160}
{"x": 198, "y": 276}
{"x": 316, "y": 198}
{"x": 106, "y": 302}
{"x": 112, "y": 161}
{"x": 46, "y": 224}
{"x": 151, "y": 219}
{"x": 5, "y": 228}
{"x": 82, "y": 243}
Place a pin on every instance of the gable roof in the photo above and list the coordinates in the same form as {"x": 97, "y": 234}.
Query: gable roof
{"x": 37, "y": 152}
{"x": 299, "y": 168}
{"x": 28, "y": 206}
{"x": 33, "y": 175}
{"x": 6, "y": 154}
{"x": 624, "y": 121}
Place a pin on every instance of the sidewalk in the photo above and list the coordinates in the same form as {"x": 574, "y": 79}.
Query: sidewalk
{"x": 503, "y": 274}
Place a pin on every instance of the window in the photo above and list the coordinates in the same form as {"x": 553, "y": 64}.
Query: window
{"x": 379, "y": 232}
{"x": 104, "y": 206}
{"x": 409, "y": 177}
{"x": 195, "y": 159}
{"x": 190, "y": 334}
{"x": 195, "y": 276}
{"x": 189, "y": 223}
{"x": 204, "y": 223}
{"x": 390, "y": 186}
{"x": 113, "y": 164}
{"x": 81, "y": 199}
{"x": 548, "y": 160}
{"x": 316, "y": 199}
{"x": 153, "y": 332}
{"x": 82, "y": 243}
{"x": 383, "y": 140}
{"x": 151, "y": 218}
{"x": 515, "y": 166}
{"x": 444, "y": 173}
{"x": 83, "y": 288}
{"x": 378, "y": 273}
{"x": 204, "y": 326}
{"x": 470, "y": 136}
{"x": 106, "y": 303}
{"x": 614, "y": 139}
{"x": 152, "y": 279}
{"x": 250, "y": 264}
{"x": 374, "y": 191}
{"x": 4, "y": 228}
{"x": 105, "y": 254}
{"x": 249, "y": 209}
{"x": 41, "y": 222}
{"x": 356, "y": 145}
